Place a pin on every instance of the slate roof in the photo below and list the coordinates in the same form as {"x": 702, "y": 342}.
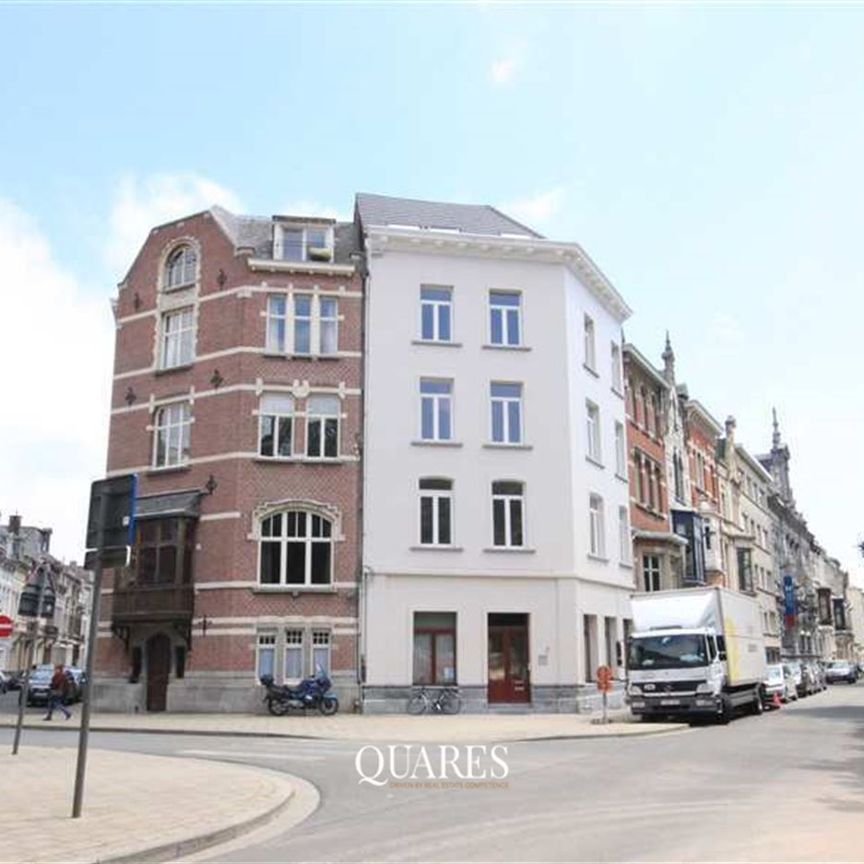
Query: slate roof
{"x": 381, "y": 210}
{"x": 256, "y": 233}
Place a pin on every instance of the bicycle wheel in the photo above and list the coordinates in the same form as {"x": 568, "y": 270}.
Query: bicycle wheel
{"x": 451, "y": 702}
{"x": 418, "y": 703}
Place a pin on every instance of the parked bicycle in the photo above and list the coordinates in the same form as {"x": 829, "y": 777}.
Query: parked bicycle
{"x": 446, "y": 701}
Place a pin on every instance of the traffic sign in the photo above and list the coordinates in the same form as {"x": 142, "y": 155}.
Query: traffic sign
{"x": 604, "y": 678}
{"x": 6, "y": 625}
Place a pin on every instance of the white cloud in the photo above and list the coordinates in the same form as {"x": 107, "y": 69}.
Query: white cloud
{"x": 502, "y": 71}
{"x": 537, "y": 210}
{"x": 726, "y": 328}
{"x": 140, "y": 204}
{"x": 55, "y": 353}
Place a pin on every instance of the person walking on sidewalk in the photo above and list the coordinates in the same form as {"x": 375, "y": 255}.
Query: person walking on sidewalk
{"x": 59, "y": 689}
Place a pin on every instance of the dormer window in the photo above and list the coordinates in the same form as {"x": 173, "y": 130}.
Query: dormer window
{"x": 307, "y": 243}
{"x": 181, "y": 268}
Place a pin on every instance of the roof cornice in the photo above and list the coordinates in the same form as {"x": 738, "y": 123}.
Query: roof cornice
{"x": 696, "y": 406}
{"x": 380, "y": 240}
{"x": 272, "y": 265}
{"x": 645, "y": 365}
{"x": 753, "y": 463}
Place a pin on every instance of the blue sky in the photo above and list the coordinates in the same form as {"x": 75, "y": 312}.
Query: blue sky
{"x": 709, "y": 158}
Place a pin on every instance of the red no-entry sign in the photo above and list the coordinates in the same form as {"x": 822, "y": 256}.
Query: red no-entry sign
{"x": 5, "y": 626}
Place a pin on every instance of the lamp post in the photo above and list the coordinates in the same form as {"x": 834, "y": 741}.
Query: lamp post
{"x": 37, "y": 601}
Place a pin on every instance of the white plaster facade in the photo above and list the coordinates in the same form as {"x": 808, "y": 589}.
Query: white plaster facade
{"x": 553, "y": 579}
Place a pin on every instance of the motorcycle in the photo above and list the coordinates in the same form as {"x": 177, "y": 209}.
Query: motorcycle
{"x": 312, "y": 692}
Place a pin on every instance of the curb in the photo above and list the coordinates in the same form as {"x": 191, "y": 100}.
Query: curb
{"x": 191, "y": 845}
{"x": 212, "y": 733}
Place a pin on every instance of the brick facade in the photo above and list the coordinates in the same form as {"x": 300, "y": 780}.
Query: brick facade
{"x": 232, "y": 367}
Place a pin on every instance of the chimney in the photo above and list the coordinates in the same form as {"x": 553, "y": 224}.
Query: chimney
{"x": 730, "y": 430}
{"x": 15, "y": 524}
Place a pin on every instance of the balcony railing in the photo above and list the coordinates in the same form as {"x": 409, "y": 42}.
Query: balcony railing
{"x": 152, "y": 603}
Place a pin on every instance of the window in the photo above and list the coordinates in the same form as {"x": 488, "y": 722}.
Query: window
{"x": 507, "y": 513}
{"x": 597, "y": 545}
{"x": 265, "y": 664}
{"x": 504, "y": 318}
{"x": 435, "y": 409}
{"x": 639, "y": 407}
{"x": 590, "y": 351}
{"x": 304, "y": 243}
{"x": 180, "y": 268}
{"x": 629, "y": 403}
{"x": 651, "y": 572}
{"x": 322, "y": 427}
{"x": 321, "y": 652}
{"x": 312, "y": 321}
{"x": 163, "y": 552}
{"x": 293, "y": 655}
{"x": 625, "y": 546}
{"x": 275, "y": 425}
{"x": 436, "y": 511}
{"x": 616, "y": 367}
{"x": 178, "y": 338}
{"x": 593, "y": 424}
{"x": 435, "y": 313}
{"x": 506, "y": 413}
{"x": 610, "y": 627}
{"x": 620, "y": 451}
{"x": 296, "y": 549}
{"x": 173, "y": 423}
{"x": 651, "y": 415}
{"x": 678, "y": 469}
{"x": 276, "y": 323}
{"x": 434, "y": 647}
{"x": 302, "y": 324}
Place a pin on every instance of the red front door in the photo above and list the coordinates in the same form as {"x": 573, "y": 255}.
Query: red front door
{"x": 508, "y": 658}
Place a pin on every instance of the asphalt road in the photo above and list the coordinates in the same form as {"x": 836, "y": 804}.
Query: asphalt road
{"x": 787, "y": 786}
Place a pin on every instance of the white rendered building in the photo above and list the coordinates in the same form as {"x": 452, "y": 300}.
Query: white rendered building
{"x": 496, "y": 544}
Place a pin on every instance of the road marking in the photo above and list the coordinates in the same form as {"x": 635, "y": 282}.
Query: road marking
{"x": 222, "y": 754}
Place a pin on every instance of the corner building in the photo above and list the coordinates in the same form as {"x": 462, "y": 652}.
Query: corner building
{"x": 236, "y": 401}
{"x": 497, "y": 549}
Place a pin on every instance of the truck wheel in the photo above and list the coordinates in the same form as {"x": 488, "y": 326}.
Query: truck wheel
{"x": 757, "y": 707}
{"x": 725, "y": 715}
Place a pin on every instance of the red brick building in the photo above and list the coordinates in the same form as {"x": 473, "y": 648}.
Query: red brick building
{"x": 236, "y": 400}
{"x": 657, "y": 551}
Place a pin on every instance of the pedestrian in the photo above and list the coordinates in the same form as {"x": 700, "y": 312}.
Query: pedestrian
{"x": 59, "y": 689}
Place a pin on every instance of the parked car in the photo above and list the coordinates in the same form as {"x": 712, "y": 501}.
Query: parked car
{"x": 818, "y": 671}
{"x": 841, "y": 670}
{"x": 778, "y": 681}
{"x": 791, "y": 686}
{"x": 77, "y": 677}
{"x": 5, "y": 681}
{"x": 39, "y": 684}
{"x": 797, "y": 669}
{"x": 811, "y": 678}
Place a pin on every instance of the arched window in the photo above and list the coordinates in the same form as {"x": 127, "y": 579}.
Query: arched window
{"x": 180, "y": 268}
{"x": 296, "y": 549}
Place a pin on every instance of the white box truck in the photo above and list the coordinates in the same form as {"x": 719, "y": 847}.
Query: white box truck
{"x": 697, "y": 651}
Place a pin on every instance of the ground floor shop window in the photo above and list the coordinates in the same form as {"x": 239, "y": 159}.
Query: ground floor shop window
{"x": 589, "y": 634}
{"x": 434, "y": 647}
{"x": 651, "y": 572}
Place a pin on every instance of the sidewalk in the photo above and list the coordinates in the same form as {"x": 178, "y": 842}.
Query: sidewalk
{"x": 142, "y": 808}
{"x": 374, "y": 727}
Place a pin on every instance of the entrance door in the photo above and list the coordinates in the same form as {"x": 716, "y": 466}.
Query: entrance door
{"x": 158, "y": 670}
{"x": 508, "y": 658}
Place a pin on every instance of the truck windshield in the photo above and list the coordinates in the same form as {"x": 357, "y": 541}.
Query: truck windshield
{"x": 676, "y": 651}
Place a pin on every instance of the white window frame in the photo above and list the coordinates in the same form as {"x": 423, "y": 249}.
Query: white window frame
{"x": 303, "y": 229}
{"x": 655, "y": 573}
{"x": 288, "y": 320}
{"x": 435, "y": 497}
{"x": 590, "y": 343}
{"x": 437, "y": 400}
{"x": 505, "y": 401}
{"x": 265, "y": 641}
{"x": 174, "y": 341}
{"x": 620, "y": 451}
{"x": 593, "y": 431}
{"x": 308, "y": 538}
{"x": 293, "y": 646}
{"x": 279, "y": 418}
{"x": 508, "y": 499}
{"x": 596, "y": 527}
{"x": 175, "y": 277}
{"x": 321, "y": 638}
{"x": 625, "y": 543}
{"x": 617, "y": 369}
{"x": 505, "y": 311}
{"x": 179, "y": 428}
{"x": 438, "y": 308}
{"x": 317, "y": 415}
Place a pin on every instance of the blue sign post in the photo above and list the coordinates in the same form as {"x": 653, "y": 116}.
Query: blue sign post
{"x": 790, "y": 608}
